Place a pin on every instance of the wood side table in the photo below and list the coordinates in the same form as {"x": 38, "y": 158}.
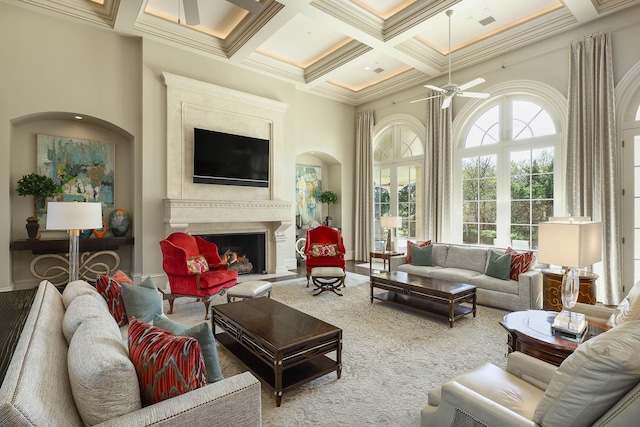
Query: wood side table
{"x": 529, "y": 332}
{"x": 384, "y": 255}
{"x": 551, "y": 293}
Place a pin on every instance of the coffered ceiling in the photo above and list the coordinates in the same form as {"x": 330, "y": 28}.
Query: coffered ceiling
{"x": 353, "y": 51}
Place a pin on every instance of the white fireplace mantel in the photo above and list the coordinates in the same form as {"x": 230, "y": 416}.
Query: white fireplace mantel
{"x": 179, "y": 213}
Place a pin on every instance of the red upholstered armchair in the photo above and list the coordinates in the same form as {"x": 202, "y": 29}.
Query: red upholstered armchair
{"x": 194, "y": 269}
{"x": 324, "y": 248}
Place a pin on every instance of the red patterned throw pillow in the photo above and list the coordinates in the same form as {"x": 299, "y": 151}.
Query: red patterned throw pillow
{"x": 520, "y": 262}
{"x": 319, "y": 249}
{"x": 110, "y": 288}
{"x": 167, "y": 365}
{"x": 410, "y": 243}
{"x": 197, "y": 264}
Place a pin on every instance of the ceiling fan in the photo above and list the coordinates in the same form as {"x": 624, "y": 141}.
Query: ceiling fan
{"x": 192, "y": 16}
{"x": 450, "y": 90}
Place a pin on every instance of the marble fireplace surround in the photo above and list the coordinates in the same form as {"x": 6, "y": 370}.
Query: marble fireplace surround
{"x": 220, "y": 209}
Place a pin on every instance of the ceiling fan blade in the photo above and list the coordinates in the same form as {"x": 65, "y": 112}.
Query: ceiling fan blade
{"x": 436, "y": 88}
{"x": 474, "y": 95}
{"x": 250, "y": 5}
{"x": 191, "y": 14}
{"x": 446, "y": 102}
{"x": 424, "y": 99}
{"x": 471, "y": 84}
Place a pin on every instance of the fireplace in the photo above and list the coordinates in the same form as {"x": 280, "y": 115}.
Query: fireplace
{"x": 216, "y": 210}
{"x": 245, "y": 252}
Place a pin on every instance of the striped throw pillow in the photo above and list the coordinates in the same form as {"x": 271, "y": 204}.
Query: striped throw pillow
{"x": 110, "y": 288}
{"x": 167, "y": 365}
{"x": 520, "y": 262}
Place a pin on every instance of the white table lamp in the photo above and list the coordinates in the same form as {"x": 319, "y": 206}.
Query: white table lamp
{"x": 73, "y": 217}
{"x": 573, "y": 244}
{"x": 390, "y": 222}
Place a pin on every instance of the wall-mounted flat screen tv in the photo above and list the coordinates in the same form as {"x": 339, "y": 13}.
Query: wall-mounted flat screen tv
{"x": 227, "y": 159}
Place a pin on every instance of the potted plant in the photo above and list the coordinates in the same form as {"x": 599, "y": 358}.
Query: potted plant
{"x": 330, "y": 198}
{"x": 39, "y": 187}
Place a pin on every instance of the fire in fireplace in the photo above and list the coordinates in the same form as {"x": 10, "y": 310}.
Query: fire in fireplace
{"x": 243, "y": 252}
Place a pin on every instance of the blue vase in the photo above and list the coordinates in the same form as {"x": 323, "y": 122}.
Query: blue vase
{"x": 119, "y": 222}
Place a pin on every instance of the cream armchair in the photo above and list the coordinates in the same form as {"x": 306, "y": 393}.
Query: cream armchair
{"x": 597, "y": 385}
{"x": 628, "y": 309}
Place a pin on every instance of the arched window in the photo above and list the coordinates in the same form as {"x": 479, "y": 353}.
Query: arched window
{"x": 507, "y": 178}
{"x": 398, "y": 177}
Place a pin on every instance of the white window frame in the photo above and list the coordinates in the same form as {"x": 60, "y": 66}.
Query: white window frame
{"x": 544, "y": 96}
{"x": 391, "y": 124}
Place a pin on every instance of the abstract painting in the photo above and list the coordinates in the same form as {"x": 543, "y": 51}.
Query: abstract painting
{"x": 308, "y": 187}
{"x": 83, "y": 169}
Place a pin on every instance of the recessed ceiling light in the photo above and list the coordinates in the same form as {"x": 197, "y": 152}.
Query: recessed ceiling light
{"x": 78, "y": 117}
{"x": 367, "y": 68}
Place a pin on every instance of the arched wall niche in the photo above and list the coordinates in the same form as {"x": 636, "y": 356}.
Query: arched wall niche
{"x": 23, "y": 161}
{"x": 331, "y": 180}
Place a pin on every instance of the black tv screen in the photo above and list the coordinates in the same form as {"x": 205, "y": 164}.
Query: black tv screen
{"x": 223, "y": 158}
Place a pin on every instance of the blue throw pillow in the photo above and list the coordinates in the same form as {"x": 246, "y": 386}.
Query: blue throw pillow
{"x": 499, "y": 265}
{"x": 201, "y": 332}
{"x": 142, "y": 301}
{"x": 422, "y": 255}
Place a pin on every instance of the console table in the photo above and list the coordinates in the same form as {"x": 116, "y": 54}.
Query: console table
{"x": 97, "y": 256}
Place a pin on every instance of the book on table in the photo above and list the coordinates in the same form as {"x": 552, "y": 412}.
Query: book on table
{"x": 570, "y": 325}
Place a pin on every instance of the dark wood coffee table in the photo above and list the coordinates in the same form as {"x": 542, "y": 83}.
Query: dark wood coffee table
{"x": 281, "y": 345}
{"x": 443, "y": 298}
{"x": 530, "y": 332}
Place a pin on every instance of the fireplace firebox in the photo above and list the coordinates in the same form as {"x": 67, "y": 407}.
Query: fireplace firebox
{"x": 244, "y": 252}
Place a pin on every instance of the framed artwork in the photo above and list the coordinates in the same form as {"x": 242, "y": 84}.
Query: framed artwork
{"x": 308, "y": 187}
{"x": 83, "y": 169}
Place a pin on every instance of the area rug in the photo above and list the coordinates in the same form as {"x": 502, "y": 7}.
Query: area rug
{"x": 392, "y": 356}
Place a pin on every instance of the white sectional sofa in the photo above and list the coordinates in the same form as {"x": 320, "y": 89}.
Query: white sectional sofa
{"x": 467, "y": 264}
{"x": 37, "y": 388}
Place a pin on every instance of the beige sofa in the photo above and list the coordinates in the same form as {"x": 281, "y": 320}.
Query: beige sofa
{"x": 467, "y": 264}
{"x": 37, "y": 388}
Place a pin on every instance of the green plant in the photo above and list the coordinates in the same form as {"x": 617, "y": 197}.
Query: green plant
{"x": 328, "y": 197}
{"x": 38, "y": 186}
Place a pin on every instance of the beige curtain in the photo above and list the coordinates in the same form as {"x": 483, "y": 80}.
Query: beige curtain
{"x": 592, "y": 167}
{"x": 438, "y": 164}
{"x": 363, "y": 220}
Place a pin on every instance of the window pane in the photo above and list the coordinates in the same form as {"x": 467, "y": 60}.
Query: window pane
{"x": 485, "y": 130}
{"x": 541, "y": 210}
{"x": 470, "y": 234}
{"x": 487, "y": 234}
{"x": 520, "y": 187}
{"x": 410, "y": 144}
{"x": 542, "y": 186}
{"x": 470, "y": 211}
{"x": 520, "y": 236}
{"x": 470, "y": 168}
{"x": 487, "y": 166}
{"x": 487, "y": 212}
{"x": 470, "y": 189}
{"x": 529, "y": 120}
{"x": 487, "y": 189}
{"x": 384, "y": 148}
{"x": 520, "y": 212}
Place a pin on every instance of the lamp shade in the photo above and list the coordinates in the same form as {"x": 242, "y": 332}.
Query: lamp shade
{"x": 74, "y": 215}
{"x": 391, "y": 221}
{"x": 570, "y": 243}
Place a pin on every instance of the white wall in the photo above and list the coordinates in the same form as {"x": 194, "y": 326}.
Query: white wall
{"x": 53, "y": 65}
{"x": 50, "y": 67}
